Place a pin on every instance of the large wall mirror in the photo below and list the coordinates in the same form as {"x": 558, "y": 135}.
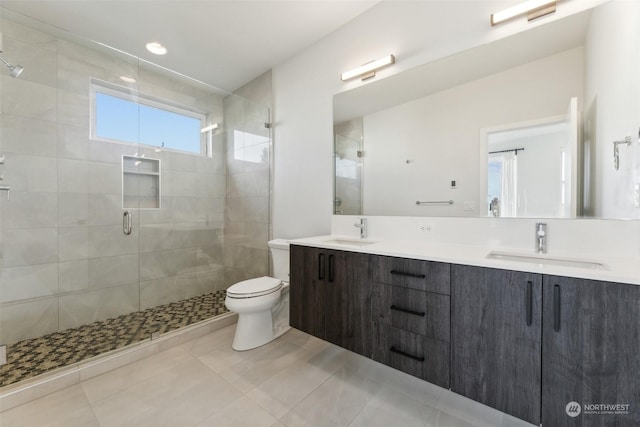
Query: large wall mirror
{"x": 544, "y": 123}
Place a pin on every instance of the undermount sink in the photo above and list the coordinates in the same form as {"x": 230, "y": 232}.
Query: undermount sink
{"x": 544, "y": 259}
{"x": 349, "y": 242}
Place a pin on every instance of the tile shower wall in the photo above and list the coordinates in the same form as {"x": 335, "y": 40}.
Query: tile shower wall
{"x": 247, "y": 213}
{"x": 65, "y": 259}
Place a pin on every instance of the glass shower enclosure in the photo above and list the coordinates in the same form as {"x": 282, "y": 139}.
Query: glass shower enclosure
{"x": 126, "y": 186}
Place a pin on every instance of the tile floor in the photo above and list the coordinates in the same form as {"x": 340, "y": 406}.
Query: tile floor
{"x": 297, "y": 380}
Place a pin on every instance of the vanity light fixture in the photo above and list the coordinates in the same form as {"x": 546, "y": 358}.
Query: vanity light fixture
{"x": 533, "y": 8}
{"x": 156, "y": 48}
{"x": 368, "y": 70}
{"x": 213, "y": 126}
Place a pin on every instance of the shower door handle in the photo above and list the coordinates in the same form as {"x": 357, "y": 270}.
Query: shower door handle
{"x": 127, "y": 222}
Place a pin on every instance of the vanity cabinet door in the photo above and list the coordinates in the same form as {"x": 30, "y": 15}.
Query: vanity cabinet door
{"x": 330, "y": 296}
{"x": 496, "y": 329}
{"x": 307, "y": 292}
{"x": 591, "y": 342}
{"x": 348, "y": 301}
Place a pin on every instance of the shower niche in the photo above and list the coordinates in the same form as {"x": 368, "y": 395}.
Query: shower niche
{"x": 140, "y": 183}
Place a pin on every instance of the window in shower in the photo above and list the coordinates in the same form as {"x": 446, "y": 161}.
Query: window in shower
{"x": 121, "y": 115}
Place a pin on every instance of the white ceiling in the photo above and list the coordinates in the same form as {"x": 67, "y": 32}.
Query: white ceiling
{"x": 222, "y": 43}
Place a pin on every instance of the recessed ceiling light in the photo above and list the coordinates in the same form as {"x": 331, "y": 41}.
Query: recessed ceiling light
{"x": 127, "y": 79}
{"x": 156, "y": 48}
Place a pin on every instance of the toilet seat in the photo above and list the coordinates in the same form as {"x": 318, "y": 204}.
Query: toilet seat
{"x": 254, "y": 287}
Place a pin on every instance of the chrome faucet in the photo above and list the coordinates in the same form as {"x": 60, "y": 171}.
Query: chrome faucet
{"x": 541, "y": 238}
{"x": 363, "y": 227}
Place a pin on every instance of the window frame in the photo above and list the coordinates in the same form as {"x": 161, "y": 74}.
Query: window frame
{"x": 132, "y": 95}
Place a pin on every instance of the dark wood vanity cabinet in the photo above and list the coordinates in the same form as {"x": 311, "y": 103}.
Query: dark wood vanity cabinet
{"x": 526, "y": 344}
{"x": 330, "y": 296}
{"x": 496, "y": 326}
{"x": 591, "y": 352}
{"x": 411, "y": 312}
{"x": 530, "y": 345}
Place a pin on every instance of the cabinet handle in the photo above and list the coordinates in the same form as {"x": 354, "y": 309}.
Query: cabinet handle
{"x": 529, "y": 302}
{"x": 331, "y": 270}
{"x": 402, "y": 273}
{"x": 321, "y": 267}
{"x": 556, "y": 308}
{"x": 406, "y": 310}
{"x": 402, "y": 353}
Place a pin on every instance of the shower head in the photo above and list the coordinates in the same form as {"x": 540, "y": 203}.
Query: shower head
{"x": 14, "y": 70}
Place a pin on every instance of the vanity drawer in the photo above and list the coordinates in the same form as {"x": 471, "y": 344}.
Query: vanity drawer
{"x": 424, "y": 313}
{"x": 412, "y": 273}
{"x": 414, "y": 354}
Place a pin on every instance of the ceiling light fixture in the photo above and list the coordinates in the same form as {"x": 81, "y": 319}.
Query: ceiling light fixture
{"x": 368, "y": 70}
{"x": 533, "y": 8}
{"x": 208, "y": 128}
{"x": 156, "y": 48}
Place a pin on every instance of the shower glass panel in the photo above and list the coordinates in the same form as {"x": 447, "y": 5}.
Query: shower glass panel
{"x": 116, "y": 221}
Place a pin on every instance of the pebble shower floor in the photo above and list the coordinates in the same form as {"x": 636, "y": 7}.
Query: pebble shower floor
{"x": 31, "y": 357}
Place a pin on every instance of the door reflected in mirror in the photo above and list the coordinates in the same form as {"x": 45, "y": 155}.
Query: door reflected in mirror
{"x": 530, "y": 170}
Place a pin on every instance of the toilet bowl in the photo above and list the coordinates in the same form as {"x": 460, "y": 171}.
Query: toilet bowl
{"x": 262, "y": 303}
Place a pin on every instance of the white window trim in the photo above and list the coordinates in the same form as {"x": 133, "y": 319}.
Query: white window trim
{"x": 122, "y": 92}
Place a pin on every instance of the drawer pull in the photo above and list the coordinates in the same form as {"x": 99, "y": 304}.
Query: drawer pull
{"x": 406, "y": 310}
{"x": 402, "y": 353}
{"x": 402, "y": 273}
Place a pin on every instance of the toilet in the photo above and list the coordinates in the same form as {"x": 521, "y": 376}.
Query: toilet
{"x": 262, "y": 303}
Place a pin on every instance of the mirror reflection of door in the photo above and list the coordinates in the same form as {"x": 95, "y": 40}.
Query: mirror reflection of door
{"x": 531, "y": 168}
{"x": 349, "y": 157}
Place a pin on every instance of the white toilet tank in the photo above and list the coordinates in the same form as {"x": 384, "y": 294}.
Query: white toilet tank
{"x": 280, "y": 255}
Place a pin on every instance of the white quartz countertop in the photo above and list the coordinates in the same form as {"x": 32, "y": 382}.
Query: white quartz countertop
{"x": 622, "y": 270}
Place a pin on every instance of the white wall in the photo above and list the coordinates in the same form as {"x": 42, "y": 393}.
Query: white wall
{"x": 416, "y": 32}
{"x": 440, "y": 135}
{"x": 616, "y": 101}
